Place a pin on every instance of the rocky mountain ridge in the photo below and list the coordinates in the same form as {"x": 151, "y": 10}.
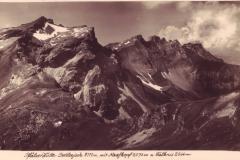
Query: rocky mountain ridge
{"x": 61, "y": 89}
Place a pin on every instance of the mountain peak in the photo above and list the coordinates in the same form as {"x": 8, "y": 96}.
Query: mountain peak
{"x": 40, "y": 22}
{"x": 199, "y": 50}
{"x": 36, "y": 24}
{"x": 43, "y": 19}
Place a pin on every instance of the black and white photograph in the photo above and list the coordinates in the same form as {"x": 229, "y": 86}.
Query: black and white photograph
{"x": 120, "y": 75}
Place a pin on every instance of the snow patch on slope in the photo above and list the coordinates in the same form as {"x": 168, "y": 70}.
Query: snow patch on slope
{"x": 228, "y": 111}
{"x": 225, "y": 105}
{"x": 43, "y": 35}
{"x": 146, "y": 82}
{"x": 57, "y": 124}
{"x": 126, "y": 43}
{"x": 226, "y": 98}
{"x": 113, "y": 57}
{"x": 41, "y": 92}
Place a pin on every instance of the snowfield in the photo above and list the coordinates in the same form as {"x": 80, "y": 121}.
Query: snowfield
{"x": 42, "y": 35}
{"x": 59, "y": 32}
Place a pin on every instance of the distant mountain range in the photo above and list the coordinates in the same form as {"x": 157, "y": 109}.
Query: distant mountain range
{"x": 61, "y": 89}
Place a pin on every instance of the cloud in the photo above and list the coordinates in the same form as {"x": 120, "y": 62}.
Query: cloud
{"x": 154, "y": 4}
{"x": 215, "y": 25}
{"x": 183, "y": 6}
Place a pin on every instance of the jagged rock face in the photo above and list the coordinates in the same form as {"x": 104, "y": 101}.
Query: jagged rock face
{"x": 61, "y": 89}
{"x": 170, "y": 65}
{"x": 38, "y": 85}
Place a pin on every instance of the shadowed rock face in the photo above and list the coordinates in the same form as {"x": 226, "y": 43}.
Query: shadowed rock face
{"x": 61, "y": 89}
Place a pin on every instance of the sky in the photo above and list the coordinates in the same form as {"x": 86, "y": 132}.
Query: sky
{"x": 215, "y": 24}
